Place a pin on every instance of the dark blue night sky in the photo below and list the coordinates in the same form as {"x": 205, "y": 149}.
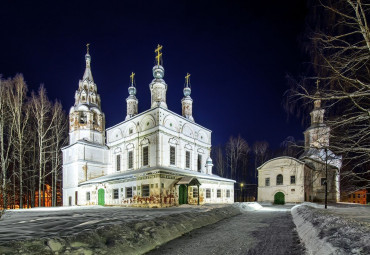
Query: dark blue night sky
{"x": 238, "y": 54}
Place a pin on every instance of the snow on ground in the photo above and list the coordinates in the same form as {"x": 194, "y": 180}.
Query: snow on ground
{"x": 340, "y": 229}
{"x": 97, "y": 230}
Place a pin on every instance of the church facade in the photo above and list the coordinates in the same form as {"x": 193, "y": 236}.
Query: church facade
{"x": 156, "y": 158}
{"x": 287, "y": 179}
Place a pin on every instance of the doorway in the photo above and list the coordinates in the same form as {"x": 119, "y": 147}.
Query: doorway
{"x": 183, "y": 194}
{"x": 279, "y": 198}
{"x": 101, "y": 197}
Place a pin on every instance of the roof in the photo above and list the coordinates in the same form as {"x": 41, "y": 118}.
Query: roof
{"x": 188, "y": 180}
{"x": 283, "y": 157}
{"x": 134, "y": 173}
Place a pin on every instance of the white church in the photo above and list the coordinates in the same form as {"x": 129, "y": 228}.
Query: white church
{"x": 287, "y": 179}
{"x": 156, "y": 158}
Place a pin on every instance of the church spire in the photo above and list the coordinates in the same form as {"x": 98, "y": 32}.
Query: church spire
{"x": 158, "y": 86}
{"x": 87, "y": 121}
{"x": 88, "y": 74}
{"x": 187, "y": 102}
{"x": 132, "y": 102}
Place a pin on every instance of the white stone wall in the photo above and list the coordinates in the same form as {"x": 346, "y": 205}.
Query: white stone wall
{"x": 287, "y": 167}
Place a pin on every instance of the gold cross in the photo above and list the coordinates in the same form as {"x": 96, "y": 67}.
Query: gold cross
{"x": 187, "y": 79}
{"x": 159, "y": 53}
{"x": 317, "y": 84}
{"x": 132, "y": 78}
{"x": 87, "y": 46}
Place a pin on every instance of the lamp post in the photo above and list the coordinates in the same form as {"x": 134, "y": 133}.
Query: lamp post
{"x": 241, "y": 195}
{"x": 326, "y": 178}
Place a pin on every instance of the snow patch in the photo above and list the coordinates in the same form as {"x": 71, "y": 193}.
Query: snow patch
{"x": 248, "y": 206}
{"x": 326, "y": 232}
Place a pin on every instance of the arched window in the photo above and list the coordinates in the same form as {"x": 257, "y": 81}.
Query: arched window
{"x": 279, "y": 179}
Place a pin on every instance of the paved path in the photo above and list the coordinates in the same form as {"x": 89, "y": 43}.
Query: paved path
{"x": 267, "y": 231}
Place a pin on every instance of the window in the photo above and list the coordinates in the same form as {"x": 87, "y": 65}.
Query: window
{"x": 279, "y": 179}
{"x": 130, "y": 159}
{"x": 292, "y": 179}
{"x": 130, "y": 131}
{"x": 128, "y": 192}
{"x": 187, "y": 159}
{"x": 323, "y": 182}
{"x": 267, "y": 181}
{"x": 228, "y": 193}
{"x": 118, "y": 162}
{"x": 358, "y": 195}
{"x": 208, "y": 193}
{"x": 162, "y": 185}
{"x": 87, "y": 196}
{"x": 199, "y": 162}
{"x": 354, "y": 196}
{"x": 218, "y": 193}
{"x": 115, "y": 194}
{"x": 145, "y": 156}
{"x": 145, "y": 192}
{"x": 172, "y": 155}
{"x": 195, "y": 192}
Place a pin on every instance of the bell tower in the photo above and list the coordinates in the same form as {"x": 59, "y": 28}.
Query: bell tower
{"x": 317, "y": 135}
{"x": 158, "y": 86}
{"x": 86, "y": 120}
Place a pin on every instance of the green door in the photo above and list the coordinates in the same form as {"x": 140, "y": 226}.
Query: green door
{"x": 183, "y": 194}
{"x": 279, "y": 198}
{"x": 101, "y": 197}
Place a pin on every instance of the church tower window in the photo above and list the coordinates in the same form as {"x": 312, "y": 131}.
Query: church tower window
{"x": 145, "y": 156}
{"x": 187, "y": 159}
{"x": 199, "y": 163}
{"x": 130, "y": 159}
{"x": 279, "y": 179}
{"x": 118, "y": 162}
{"x": 172, "y": 155}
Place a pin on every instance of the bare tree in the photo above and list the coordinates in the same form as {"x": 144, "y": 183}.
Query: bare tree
{"x": 219, "y": 159}
{"x": 236, "y": 149}
{"x": 20, "y": 113}
{"x": 6, "y": 138}
{"x": 260, "y": 154}
{"x": 59, "y": 139}
{"x": 44, "y": 120}
{"x": 341, "y": 53}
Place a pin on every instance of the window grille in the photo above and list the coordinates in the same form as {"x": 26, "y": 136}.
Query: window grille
{"x": 118, "y": 162}
{"x": 130, "y": 159}
{"x": 218, "y": 193}
{"x": 195, "y": 192}
{"x": 172, "y": 155}
{"x": 145, "y": 156}
{"x": 128, "y": 192}
{"x": 292, "y": 179}
{"x": 145, "y": 191}
{"x": 267, "y": 182}
{"x": 279, "y": 179}
{"x": 115, "y": 194}
{"x": 199, "y": 162}
{"x": 208, "y": 193}
{"x": 187, "y": 159}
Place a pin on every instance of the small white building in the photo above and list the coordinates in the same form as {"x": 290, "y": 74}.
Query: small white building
{"x": 286, "y": 179}
{"x": 156, "y": 158}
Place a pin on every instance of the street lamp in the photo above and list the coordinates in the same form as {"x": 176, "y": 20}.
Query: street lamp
{"x": 241, "y": 195}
